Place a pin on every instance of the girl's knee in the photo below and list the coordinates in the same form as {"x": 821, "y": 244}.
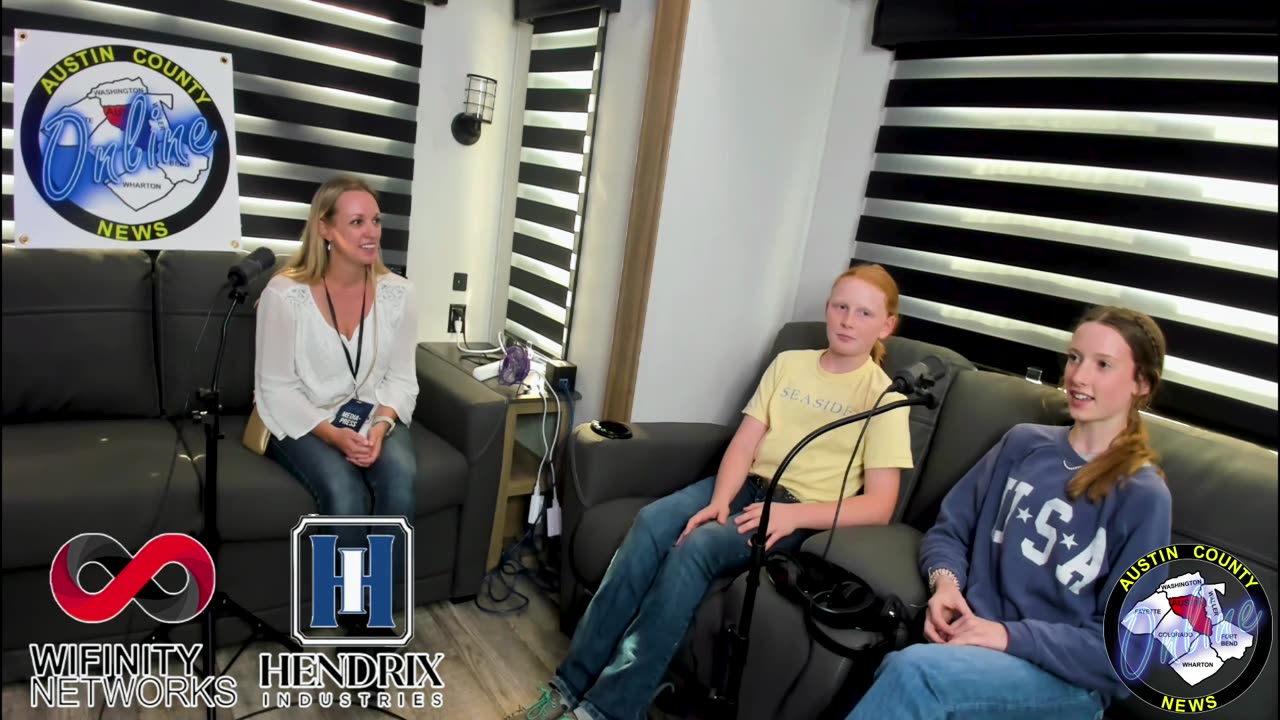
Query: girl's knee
{"x": 911, "y": 661}
{"x": 649, "y": 521}
{"x": 712, "y": 545}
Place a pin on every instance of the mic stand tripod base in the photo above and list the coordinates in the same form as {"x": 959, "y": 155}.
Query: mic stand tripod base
{"x": 210, "y": 415}
{"x": 725, "y": 706}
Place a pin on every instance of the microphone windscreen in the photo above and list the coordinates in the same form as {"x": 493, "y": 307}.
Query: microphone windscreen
{"x": 256, "y": 263}
{"x": 264, "y": 258}
{"x": 936, "y": 369}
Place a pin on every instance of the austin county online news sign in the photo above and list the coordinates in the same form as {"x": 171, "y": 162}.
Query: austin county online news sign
{"x": 122, "y": 144}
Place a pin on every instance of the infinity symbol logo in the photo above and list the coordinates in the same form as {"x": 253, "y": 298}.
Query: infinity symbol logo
{"x": 133, "y": 578}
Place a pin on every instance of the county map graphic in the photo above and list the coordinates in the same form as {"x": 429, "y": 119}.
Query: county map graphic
{"x": 1185, "y": 615}
{"x": 105, "y": 108}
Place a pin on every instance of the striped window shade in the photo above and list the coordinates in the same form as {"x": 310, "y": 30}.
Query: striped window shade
{"x": 1010, "y": 193}
{"x": 555, "y": 158}
{"x": 320, "y": 89}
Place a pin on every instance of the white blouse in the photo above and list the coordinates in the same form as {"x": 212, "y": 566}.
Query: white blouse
{"x": 301, "y": 376}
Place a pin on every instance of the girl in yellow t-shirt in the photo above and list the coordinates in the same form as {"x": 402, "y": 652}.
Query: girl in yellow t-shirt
{"x": 679, "y": 544}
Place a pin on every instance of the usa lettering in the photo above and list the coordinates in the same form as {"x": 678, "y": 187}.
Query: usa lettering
{"x": 1052, "y": 528}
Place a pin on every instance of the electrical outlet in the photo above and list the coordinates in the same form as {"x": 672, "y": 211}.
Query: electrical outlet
{"x": 460, "y": 281}
{"x": 457, "y": 317}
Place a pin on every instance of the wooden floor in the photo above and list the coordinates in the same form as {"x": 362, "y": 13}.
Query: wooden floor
{"x": 492, "y": 665}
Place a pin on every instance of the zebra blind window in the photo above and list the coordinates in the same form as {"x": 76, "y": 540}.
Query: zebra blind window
{"x": 555, "y": 159}
{"x": 1009, "y": 193}
{"x": 319, "y": 89}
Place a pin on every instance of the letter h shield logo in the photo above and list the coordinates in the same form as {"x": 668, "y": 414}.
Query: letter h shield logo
{"x": 356, "y": 581}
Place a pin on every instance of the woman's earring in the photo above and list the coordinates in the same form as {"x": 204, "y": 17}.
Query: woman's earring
{"x": 328, "y": 246}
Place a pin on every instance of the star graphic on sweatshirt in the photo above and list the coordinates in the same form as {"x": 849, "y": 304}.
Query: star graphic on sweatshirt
{"x": 1023, "y": 515}
{"x": 1069, "y": 541}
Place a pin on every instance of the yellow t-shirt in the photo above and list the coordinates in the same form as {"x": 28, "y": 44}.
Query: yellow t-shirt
{"x": 796, "y": 396}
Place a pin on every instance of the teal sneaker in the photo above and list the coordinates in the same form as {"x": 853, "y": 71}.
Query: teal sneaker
{"x": 549, "y": 706}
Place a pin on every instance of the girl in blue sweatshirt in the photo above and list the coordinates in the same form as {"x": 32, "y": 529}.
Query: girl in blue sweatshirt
{"x": 1029, "y": 544}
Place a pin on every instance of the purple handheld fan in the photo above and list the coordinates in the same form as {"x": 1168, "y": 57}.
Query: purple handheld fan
{"x": 515, "y": 366}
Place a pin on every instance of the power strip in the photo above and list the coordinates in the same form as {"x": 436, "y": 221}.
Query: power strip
{"x": 488, "y": 371}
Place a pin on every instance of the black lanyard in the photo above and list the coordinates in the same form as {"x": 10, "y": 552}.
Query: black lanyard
{"x": 342, "y": 340}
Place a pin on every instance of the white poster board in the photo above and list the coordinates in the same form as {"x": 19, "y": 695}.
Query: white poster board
{"x": 121, "y": 144}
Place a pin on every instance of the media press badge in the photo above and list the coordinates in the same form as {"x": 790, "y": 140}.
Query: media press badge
{"x": 353, "y": 414}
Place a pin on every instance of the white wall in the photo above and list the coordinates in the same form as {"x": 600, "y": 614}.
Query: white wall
{"x": 619, "y": 109}
{"x": 459, "y": 191}
{"x": 747, "y": 153}
{"x": 462, "y": 210}
{"x": 850, "y": 150}
{"x": 763, "y": 187}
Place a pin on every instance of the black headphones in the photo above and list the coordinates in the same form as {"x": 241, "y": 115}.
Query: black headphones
{"x": 837, "y": 598}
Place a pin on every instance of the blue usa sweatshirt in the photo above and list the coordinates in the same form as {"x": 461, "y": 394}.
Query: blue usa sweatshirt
{"x": 1041, "y": 564}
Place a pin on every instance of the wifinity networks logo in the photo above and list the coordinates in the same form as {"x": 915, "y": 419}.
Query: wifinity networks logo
{"x": 125, "y": 143}
{"x": 133, "y": 578}
{"x": 1188, "y": 628}
{"x": 73, "y": 675}
{"x": 357, "y": 584}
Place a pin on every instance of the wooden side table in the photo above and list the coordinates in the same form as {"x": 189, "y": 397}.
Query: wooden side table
{"x": 521, "y": 449}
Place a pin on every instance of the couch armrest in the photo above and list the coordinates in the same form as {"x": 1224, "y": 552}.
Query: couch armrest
{"x": 658, "y": 459}
{"x": 886, "y": 556}
{"x": 471, "y": 418}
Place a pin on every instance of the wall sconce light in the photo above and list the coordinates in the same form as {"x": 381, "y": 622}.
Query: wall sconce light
{"x": 477, "y": 109}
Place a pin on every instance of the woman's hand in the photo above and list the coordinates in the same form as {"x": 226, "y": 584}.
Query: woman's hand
{"x": 718, "y": 512}
{"x": 783, "y": 520}
{"x": 347, "y": 441}
{"x": 973, "y": 630}
{"x": 945, "y": 606}
{"x": 373, "y": 449}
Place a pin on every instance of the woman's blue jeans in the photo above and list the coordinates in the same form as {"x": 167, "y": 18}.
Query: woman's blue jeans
{"x": 638, "y": 618}
{"x": 386, "y": 488}
{"x": 933, "y": 682}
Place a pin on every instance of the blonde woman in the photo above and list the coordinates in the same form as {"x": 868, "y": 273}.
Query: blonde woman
{"x": 334, "y": 378}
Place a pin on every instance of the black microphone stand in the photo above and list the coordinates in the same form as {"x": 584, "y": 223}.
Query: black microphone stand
{"x": 210, "y": 415}
{"x": 725, "y": 707}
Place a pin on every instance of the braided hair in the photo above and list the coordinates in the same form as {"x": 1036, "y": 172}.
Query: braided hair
{"x": 1131, "y": 449}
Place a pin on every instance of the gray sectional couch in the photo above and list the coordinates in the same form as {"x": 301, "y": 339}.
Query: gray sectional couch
{"x": 100, "y": 367}
{"x": 1224, "y": 493}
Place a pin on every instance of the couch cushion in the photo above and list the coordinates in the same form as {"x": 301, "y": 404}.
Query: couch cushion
{"x": 598, "y": 536}
{"x": 259, "y": 500}
{"x": 902, "y": 353}
{"x": 188, "y": 285}
{"x": 105, "y": 476}
{"x": 78, "y": 335}
{"x": 980, "y": 408}
{"x": 1224, "y": 490}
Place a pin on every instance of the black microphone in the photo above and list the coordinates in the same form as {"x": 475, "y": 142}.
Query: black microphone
{"x": 920, "y": 376}
{"x": 259, "y": 261}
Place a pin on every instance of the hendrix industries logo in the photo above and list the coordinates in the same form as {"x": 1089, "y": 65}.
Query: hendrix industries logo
{"x": 352, "y": 578}
{"x": 133, "y": 578}
{"x": 1188, "y": 628}
{"x": 122, "y": 141}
